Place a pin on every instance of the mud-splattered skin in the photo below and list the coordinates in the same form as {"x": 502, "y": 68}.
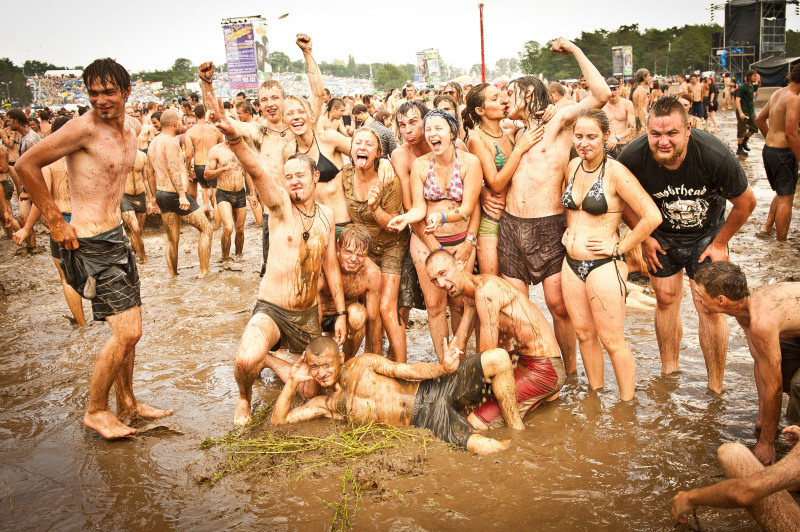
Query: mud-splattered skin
{"x": 230, "y": 176}
{"x": 134, "y": 184}
{"x": 199, "y": 140}
{"x": 354, "y": 284}
{"x": 58, "y": 177}
{"x": 100, "y": 149}
{"x": 166, "y": 161}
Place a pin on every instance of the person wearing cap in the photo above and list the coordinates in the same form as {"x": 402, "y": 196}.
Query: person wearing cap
{"x": 621, "y": 118}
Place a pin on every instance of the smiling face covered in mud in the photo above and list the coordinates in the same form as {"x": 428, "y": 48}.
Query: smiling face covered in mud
{"x": 297, "y": 115}
{"x": 301, "y": 179}
{"x": 324, "y": 361}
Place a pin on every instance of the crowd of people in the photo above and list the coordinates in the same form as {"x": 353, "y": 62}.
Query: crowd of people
{"x": 371, "y": 206}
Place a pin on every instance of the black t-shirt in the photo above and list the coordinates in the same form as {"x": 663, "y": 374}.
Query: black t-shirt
{"x": 713, "y": 90}
{"x": 692, "y": 197}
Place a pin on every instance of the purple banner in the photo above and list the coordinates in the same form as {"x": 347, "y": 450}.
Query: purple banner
{"x": 241, "y": 56}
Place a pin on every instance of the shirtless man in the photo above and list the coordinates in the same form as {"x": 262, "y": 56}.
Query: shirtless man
{"x": 430, "y": 396}
{"x": 696, "y": 93}
{"x": 199, "y": 141}
{"x": 361, "y": 282}
{"x": 168, "y": 177}
{"x": 8, "y": 192}
{"x": 286, "y": 309}
{"x": 503, "y": 314}
{"x": 227, "y": 172}
{"x": 777, "y": 121}
{"x": 532, "y": 223}
{"x": 56, "y": 178}
{"x": 770, "y": 318}
{"x": 28, "y": 138}
{"x": 134, "y": 204}
{"x": 639, "y": 97}
{"x": 727, "y": 86}
{"x": 763, "y": 491}
{"x": 100, "y": 139}
{"x": 269, "y": 137}
{"x": 621, "y": 119}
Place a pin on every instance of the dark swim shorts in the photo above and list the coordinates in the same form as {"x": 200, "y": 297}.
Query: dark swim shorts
{"x": 536, "y": 378}
{"x": 137, "y": 203}
{"x": 530, "y": 249}
{"x": 410, "y": 292}
{"x": 677, "y": 258}
{"x": 199, "y": 175}
{"x": 298, "y": 327}
{"x": 790, "y": 374}
{"x": 55, "y": 249}
{"x": 8, "y": 188}
{"x": 108, "y": 259}
{"x": 236, "y": 198}
{"x": 439, "y": 402}
{"x": 781, "y": 167}
{"x": 168, "y": 202}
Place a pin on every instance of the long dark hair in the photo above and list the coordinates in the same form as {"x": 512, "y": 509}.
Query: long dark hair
{"x": 538, "y": 100}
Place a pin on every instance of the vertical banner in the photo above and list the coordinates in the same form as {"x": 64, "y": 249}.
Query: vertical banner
{"x": 263, "y": 63}
{"x": 616, "y": 60}
{"x": 434, "y": 75}
{"x": 241, "y": 56}
{"x": 422, "y": 68}
{"x": 627, "y": 60}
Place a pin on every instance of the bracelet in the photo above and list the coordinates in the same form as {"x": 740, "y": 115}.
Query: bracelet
{"x": 615, "y": 253}
{"x": 472, "y": 240}
{"x": 443, "y": 219}
{"x": 341, "y": 313}
{"x": 234, "y": 140}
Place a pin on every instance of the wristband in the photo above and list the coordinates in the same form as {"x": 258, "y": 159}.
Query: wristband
{"x": 472, "y": 240}
{"x": 443, "y": 219}
{"x": 341, "y": 313}
{"x": 234, "y": 140}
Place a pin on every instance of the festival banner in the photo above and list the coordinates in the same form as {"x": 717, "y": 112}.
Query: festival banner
{"x": 241, "y": 56}
{"x": 616, "y": 60}
{"x": 627, "y": 61}
{"x": 434, "y": 75}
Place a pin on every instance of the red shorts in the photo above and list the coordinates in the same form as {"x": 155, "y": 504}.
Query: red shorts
{"x": 537, "y": 378}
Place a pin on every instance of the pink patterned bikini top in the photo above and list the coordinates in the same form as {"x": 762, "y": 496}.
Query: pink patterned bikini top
{"x": 455, "y": 188}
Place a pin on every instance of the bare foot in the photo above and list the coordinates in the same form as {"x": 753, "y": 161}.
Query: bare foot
{"x": 201, "y": 275}
{"x": 107, "y": 425}
{"x": 242, "y": 415}
{"x": 143, "y": 410}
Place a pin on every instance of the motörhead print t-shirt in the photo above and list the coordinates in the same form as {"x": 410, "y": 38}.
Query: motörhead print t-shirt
{"x": 692, "y": 197}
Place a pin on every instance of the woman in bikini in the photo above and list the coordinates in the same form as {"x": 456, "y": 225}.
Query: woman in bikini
{"x": 499, "y": 157}
{"x": 373, "y": 205}
{"x": 593, "y": 277}
{"x": 445, "y": 185}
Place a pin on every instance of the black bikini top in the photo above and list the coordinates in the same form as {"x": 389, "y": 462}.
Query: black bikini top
{"x": 327, "y": 170}
{"x": 595, "y": 200}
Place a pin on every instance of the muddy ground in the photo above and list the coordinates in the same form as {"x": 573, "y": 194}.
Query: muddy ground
{"x": 585, "y": 462}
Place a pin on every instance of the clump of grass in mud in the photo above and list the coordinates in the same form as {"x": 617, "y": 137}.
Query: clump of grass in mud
{"x": 341, "y": 512}
{"x": 272, "y": 451}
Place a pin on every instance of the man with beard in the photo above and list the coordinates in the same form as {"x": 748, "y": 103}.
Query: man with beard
{"x": 690, "y": 175}
{"x": 269, "y": 137}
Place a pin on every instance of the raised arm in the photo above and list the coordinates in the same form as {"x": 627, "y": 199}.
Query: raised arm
{"x": 314, "y": 76}
{"x": 282, "y": 412}
{"x": 600, "y": 93}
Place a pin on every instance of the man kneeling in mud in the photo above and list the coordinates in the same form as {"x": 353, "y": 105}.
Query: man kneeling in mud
{"x": 503, "y": 313}
{"x": 431, "y": 396}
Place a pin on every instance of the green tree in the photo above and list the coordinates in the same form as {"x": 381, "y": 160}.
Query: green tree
{"x": 389, "y": 76}
{"x": 12, "y": 84}
{"x": 507, "y": 66}
{"x": 182, "y": 64}
{"x": 37, "y": 68}
{"x": 280, "y": 61}
{"x": 352, "y": 70}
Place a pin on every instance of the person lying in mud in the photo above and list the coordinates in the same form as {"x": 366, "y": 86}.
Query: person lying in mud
{"x": 286, "y": 310}
{"x": 431, "y": 396}
{"x": 97, "y": 259}
{"x": 361, "y": 281}
{"x": 762, "y": 491}
{"x": 503, "y": 314}
{"x": 770, "y": 317}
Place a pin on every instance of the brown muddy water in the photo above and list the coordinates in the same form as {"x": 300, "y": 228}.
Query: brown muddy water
{"x": 585, "y": 461}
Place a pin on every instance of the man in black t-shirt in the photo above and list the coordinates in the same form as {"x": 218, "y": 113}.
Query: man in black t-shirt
{"x": 690, "y": 175}
{"x": 746, "y": 111}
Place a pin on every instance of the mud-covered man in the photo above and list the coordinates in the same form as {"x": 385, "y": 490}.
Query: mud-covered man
{"x": 770, "y": 318}
{"x": 431, "y": 396}
{"x": 286, "y": 310}
{"x": 361, "y": 281}
{"x": 503, "y": 315}
{"x": 199, "y": 141}
{"x": 168, "y": 177}
{"x": 100, "y": 149}
{"x": 225, "y": 170}
{"x": 135, "y": 202}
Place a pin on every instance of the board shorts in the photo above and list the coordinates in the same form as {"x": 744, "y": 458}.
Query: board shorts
{"x": 746, "y": 123}
{"x": 790, "y": 375}
{"x": 55, "y": 249}
{"x": 781, "y": 167}
{"x": 439, "y": 402}
{"x": 490, "y": 227}
{"x": 410, "y": 292}
{"x": 236, "y": 198}
{"x": 697, "y": 109}
{"x": 390, "y": 258}
{"x": 297, "y": 327}
{"x": 199, "y": 176}
{"x": 168, "y": 202}
{"x": 107, "y": 260}
{"x": 536, "y": 378}
{"x": 530, "y": 249}
{"x": 677, "y": 258}
{"x": 8, "y": 188}
{"x": 137, "y": 203}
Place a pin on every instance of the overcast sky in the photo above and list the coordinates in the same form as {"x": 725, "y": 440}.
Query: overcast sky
{"x": 150, "y": 34}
